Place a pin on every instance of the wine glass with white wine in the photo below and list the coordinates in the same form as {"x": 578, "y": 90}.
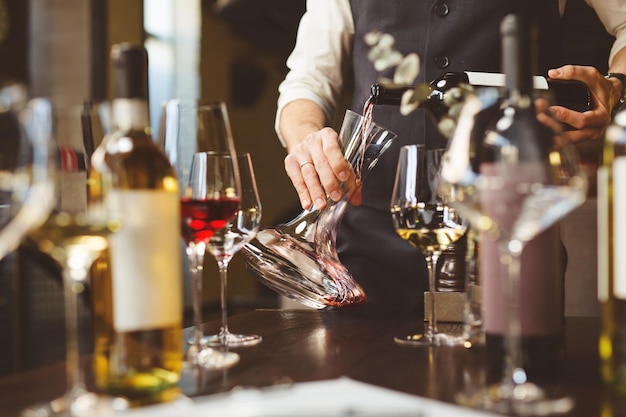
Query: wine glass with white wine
{"x": 424, "y": 219}
{"x": 74, "y": 235}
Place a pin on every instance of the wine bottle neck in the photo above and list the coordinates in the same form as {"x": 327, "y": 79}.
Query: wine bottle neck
{"x": 381, "y": 94}
{"x": 130, "y": 70}
{"x": 517, "y": 56}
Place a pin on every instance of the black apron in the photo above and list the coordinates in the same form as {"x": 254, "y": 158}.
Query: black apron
{"x": 448, "y": 35}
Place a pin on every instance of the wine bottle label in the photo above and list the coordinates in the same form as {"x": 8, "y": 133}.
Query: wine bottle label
{"x": 146, "y": 262}
{"x": 541, "y": 289}
{"x": 619, "y": 225}
{"x": 130, "y": 113}
{"x": 489, "y": 79}
{"x": 72, "y": 190}
{"x": 604, "y": 224}
{"x": 540, "y": 292}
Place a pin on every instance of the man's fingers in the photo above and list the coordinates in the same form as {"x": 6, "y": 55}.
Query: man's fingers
{"x": 294, "y": 171}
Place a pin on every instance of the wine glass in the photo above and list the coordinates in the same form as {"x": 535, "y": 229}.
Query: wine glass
{"x": 26, "y": 166}
{"x": 511, "y": 176}
{"x": 188, "y": 127}
{"x": 212, "y": 197}
{"x": 74, "y": 235}
{"x": 226, "y": 242}
{"x": 423, "y": 218}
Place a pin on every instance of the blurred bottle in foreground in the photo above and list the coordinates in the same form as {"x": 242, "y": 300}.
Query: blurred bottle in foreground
{"x": 138, "y": 292}
{"x": 611, "y": 261}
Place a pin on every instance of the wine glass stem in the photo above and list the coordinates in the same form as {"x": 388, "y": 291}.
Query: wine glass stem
{"x": 223, "y": 268}
{"x": 71, "y": 289}
{"x": 511, "y": 268}
{"x": 196, "y": 263}
{"x": 431, "y": 264}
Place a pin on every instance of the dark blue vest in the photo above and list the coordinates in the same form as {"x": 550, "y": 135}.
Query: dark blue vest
{"x": 448, "y": 35}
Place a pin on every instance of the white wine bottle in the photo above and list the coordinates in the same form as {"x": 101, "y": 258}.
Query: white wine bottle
{"x": 611, "y": 261}
{"x": 138, "y": 292}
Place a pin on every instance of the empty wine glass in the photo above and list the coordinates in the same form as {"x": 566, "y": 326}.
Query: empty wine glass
{"x": 423, "y": 218}
{"x": 74, "y": 235}
{"x": 211, "y": 199}
{"x": 189, "y": 127}
{"x": 26, "y": 166}
{"x": 226, "y": 242}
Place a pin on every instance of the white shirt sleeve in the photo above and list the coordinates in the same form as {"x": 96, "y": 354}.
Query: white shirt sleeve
{"x": 320, "y": 56}
{"x": 612, "y": 14}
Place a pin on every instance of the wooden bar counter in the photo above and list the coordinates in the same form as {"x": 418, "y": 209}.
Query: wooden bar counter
{"x": 311, "y": 345}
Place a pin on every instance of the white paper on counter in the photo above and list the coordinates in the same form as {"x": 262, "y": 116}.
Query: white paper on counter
{"x": 342, "y": 397}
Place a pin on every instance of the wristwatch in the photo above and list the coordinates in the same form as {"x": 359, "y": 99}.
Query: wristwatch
{"x": 622, "y": 98}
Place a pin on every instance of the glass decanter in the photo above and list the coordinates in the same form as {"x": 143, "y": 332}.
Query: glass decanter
{"x": 298, "y": 259}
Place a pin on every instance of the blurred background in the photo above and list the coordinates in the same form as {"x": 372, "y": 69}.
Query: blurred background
{"x": 230, "y": 50}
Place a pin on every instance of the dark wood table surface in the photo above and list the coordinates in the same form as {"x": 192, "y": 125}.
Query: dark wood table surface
{"x": 310, "y": 345}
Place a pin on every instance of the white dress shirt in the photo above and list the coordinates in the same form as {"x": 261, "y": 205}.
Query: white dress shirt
{"x": 322, "y": 52}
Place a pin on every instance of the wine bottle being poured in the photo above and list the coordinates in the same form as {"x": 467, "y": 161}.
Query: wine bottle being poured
{"x": 443, "y": 97}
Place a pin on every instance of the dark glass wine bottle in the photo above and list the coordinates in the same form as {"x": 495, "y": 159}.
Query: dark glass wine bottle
{"x": 541, "y": 288}
{"x": 440, "y": 96}
{"x": 137, "y": 287}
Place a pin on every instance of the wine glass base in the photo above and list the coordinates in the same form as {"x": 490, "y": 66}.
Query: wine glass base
{"x": 232, "y": 340}
{"x": 438, "y": 339}
{"x": 525, "y": 399}
{"x": 85, "y": 404}
{"x": 209, "y": 358}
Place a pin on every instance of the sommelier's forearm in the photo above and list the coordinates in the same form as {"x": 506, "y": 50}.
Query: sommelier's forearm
{"x": 298, "y": 119}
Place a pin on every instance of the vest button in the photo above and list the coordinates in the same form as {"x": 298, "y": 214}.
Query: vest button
{"x": 442, "y": 9}
{"x": 442, "y": 61}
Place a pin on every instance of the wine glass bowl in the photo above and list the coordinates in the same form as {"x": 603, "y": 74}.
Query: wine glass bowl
{"x": 26, "y": 165}
{"x": 424, "y": 219}
{"x": 188, "y": 126}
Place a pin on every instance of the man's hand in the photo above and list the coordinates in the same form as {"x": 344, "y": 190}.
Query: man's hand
{"x": 605, "y": 94}
{"x": 317, "y": 169}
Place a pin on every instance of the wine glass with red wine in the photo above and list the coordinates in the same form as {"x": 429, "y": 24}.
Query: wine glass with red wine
{"x": 189, "y": 128}
{"x": 226, "y": 242}
{"x": 210, "y": 200}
